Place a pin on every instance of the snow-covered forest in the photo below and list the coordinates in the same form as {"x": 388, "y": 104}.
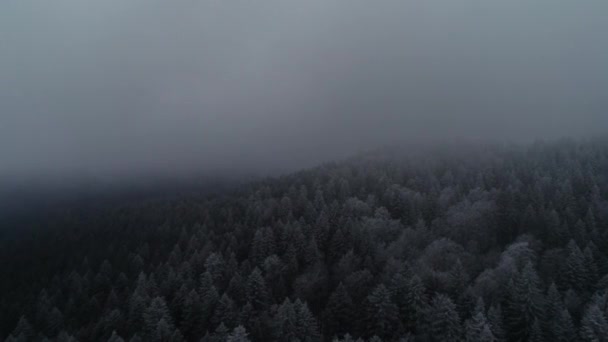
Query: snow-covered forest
{"x": 462, "y": 243}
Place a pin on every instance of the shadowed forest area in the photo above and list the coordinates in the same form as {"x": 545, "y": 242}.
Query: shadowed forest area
{"x": 462, "y": 243}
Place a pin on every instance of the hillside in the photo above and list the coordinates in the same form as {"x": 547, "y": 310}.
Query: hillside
{"x": 490, "y": 243}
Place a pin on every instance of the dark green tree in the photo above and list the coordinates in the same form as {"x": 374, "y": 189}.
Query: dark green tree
{"x": 383, "y": 314}
{"x": 338, "y": 314}
{"x": 442, "y": 320}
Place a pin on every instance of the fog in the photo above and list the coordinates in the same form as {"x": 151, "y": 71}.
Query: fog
{"x": 128, "y": 88}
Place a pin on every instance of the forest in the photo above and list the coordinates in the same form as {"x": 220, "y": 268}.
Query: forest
{"x": 496, "y": 242}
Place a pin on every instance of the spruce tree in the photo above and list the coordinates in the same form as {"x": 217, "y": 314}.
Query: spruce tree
{"x": 156, "y": 312}
{"x": 115, "y": 338}
{"x": 496, "y": 323}
{"x": 594, "y": 326}
{"x": 477, "y": 327}
{"x": 191, "y": 314}
{"x": 573, "y": 274}
{"x": 225, "y": 312}
{"x": 415, "y": 303}
{"x": 442, "y": 320}
{"x": 383, "y": 319}
{"x": 525, "y": 303}
{"x": 257, "y": 292}
{"x": 239, "y": 334}
{"x": 338, "y": 313}
{"x": 307, "y": 326}
{"x": 536, "y": 333}
{"x": 562, "y": 328}
{"x": 23, "y": 330}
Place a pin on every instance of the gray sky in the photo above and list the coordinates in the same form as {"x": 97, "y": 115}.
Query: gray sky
{"x": 108, "y": 88}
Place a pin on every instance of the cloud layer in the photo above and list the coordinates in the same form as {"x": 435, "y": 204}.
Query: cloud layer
{"x": 140, "y": 87}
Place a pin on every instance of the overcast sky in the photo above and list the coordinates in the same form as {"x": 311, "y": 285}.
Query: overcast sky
{"x": 108, "y": 88}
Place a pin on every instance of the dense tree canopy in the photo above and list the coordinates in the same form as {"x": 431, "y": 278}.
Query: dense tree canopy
{"x": 492, "y": 243}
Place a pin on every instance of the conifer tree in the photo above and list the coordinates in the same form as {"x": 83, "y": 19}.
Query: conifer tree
{"x": 477, "y": 327}
{"x": 536, "y": 333}
{"x": 383, "y": 313}
{"x": 496, "y": 323}
{"x": 573, "y": 274}
{"x": 225, "y": 312}
{"x": 208, "y": 296}
{"x": 191, "y": 314}
{"x": 307, "y": 326}
{"x": 563, "y": 329}
{"x": 156, "y": 312}
{"x": 594, "y": 326}
{"x": 442, "y": 320}
{"x": 257, "y": 292}
{"x": 525, "y": 303}
{"x": 338, "y": 313}
{"x": 115, "y": 338}
{"x": 23, "y": 330}
{"x": 239, "y": 334}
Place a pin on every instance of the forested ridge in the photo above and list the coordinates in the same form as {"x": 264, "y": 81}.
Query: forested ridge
{"x": 462, "y": 243}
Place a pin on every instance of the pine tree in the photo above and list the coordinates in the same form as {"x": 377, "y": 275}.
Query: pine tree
{"x": 591, "y": 269}
{"x": 216, "y": 266}
{"x": 135, "y": 338}
{"x": 415, "y": 303}
{"x": 246, "y": 315}
{"x": 225, "y": 312}
{"x": 338, "y": 313}
{"x": 594, "y": 326}
{"x": 553, "y": 225}
{"x": 383, "y": 314}
{"x": 191, "y": 314}
{"x": 65, "y": 337}
{"x": 137, "y": 306}
{"x": 257, "y": 292}
{"x": 239, "y": 334}
{"x": 290, "y": 259}
{"x": 442, "y": 320}
{"x": 163, "y": 331}
{"x": 496, "y": 323}
{"x": 263, "y": 245}
{"x": 307, "y": 326}
{"x": 220, "y": 334}
{"x": 337, "y": 246}
{"x": 177, "y": 336}
{"x": 553, "y": 310}
{"x": 487, "y": 335}
{"x": 312, "y": 255}
{"x": 236, "y": 288}
{"x": 553, "y": 304}
{"x": 54, "y": 322}
{"x": 347, "y": 338}
{"x": 115, "y": 337}
{"x": 458, "y": 279}
{"x": 536, "y": 333}
{"x": 209, "y": 297}
{"x": 399, "y": 288}
{"x": 156, "y": 312}
{"x": 563, "y": 329}
{"x": 477, "y": 327}
{"x": 284, "y": 322}
{"x": 525, "y": 303}
{"x": 573, "y": 274}
{"x": 23, "y": 330}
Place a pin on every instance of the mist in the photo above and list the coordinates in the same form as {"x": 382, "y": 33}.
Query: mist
{"x": 115, "y": 88}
